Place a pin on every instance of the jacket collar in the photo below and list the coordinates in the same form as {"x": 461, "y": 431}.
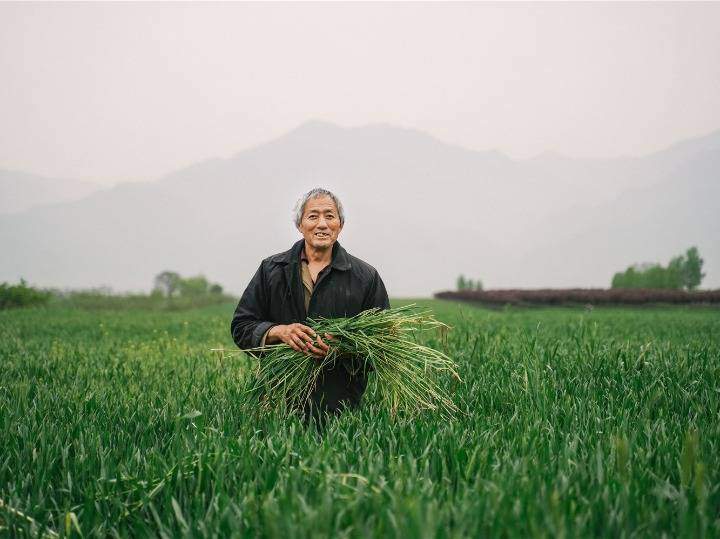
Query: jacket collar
{"x": 340, "y": 259}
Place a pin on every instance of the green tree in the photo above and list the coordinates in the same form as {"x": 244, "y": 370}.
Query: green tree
{"x": 674, "y": 272}
{"x": 653, "y": 277}
{"x": 194, "y": 286}
{"x": 464, "y": 283}
{"x": 692, "y": 274}
{"x": 216, "y": 289}
{"x": 168, "y": 282}
{"x": 630, "y": 278}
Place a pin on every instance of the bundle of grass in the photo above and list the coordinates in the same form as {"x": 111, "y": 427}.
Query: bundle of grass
{"x": 379, "y": 340}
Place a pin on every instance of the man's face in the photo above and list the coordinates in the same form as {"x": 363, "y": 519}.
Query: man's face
{"x": 320, "y": 224}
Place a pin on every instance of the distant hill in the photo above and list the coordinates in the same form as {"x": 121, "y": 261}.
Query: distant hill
{"x": 20, "y": 191}
{"x": 420, "y": 210}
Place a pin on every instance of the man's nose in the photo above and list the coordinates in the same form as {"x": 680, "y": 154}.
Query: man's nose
{"x": 322, "y": 223}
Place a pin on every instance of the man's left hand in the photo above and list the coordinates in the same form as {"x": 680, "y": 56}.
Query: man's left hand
{"x": 319, "y": 349}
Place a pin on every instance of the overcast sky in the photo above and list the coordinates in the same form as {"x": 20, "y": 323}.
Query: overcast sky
{"x": 115, "y": 92}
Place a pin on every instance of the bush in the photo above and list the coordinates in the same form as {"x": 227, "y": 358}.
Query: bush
{"x": 21, "y": 295}
{"x": 585, "y": 296}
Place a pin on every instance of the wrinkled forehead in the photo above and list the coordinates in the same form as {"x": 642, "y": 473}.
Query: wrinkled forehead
{"x": 320, "y": 204}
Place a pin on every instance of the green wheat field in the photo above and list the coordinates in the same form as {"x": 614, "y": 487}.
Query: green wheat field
{"x": 574, "y": 422}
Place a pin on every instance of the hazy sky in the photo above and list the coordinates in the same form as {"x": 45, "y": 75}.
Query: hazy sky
{"x": 129, "y": 91}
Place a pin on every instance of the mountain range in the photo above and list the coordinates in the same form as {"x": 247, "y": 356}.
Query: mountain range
{"x": 20, "y": 191}
{"x": 420, "y": 210}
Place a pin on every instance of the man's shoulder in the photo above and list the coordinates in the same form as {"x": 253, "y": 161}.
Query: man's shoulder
{"x": 277, "y": 258}
{"x": 361, "y": 268}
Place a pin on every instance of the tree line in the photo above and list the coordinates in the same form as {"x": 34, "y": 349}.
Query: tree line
{"x": 465, "y": 283}
{"x": 170, "y": 285}
{"x": 682, "y": 272}
{"x": 170, "y": 291}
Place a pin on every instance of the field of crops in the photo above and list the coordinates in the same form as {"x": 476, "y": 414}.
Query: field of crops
{"x": 602, "y": 422}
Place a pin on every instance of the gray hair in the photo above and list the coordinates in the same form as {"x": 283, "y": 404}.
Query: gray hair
{"x": 316, "y": 193}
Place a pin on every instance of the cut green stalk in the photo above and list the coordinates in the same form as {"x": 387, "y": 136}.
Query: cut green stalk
{"x": 406, "y": 371}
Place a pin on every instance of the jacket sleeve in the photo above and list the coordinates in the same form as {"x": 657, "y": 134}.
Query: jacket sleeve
{"x": 376, "y": 295}
{"x": 249, "y": 323}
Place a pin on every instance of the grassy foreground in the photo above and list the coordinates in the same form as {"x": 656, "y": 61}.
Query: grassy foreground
{"x": 576, "y": 423}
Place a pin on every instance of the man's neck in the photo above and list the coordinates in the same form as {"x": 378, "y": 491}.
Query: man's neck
{"x": 318, "y": 256}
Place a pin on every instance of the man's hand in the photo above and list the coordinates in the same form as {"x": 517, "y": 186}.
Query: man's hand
{"x": 301, "y": 338}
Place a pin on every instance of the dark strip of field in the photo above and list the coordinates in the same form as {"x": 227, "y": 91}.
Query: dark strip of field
{"x": 585, "y": 296}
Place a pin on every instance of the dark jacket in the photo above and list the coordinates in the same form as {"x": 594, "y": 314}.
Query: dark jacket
{"x": 275, "y": 294}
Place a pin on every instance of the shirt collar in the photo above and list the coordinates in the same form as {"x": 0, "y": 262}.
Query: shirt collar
{"x": 340, "y": 258}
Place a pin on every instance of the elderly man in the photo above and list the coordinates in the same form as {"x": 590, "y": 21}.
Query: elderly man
{"x": 316, "y": 277}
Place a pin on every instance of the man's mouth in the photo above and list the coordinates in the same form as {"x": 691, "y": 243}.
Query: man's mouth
{"x": 321, "y": 235}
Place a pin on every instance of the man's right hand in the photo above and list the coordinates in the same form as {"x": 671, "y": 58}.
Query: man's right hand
{"x": 299, "y": 336}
